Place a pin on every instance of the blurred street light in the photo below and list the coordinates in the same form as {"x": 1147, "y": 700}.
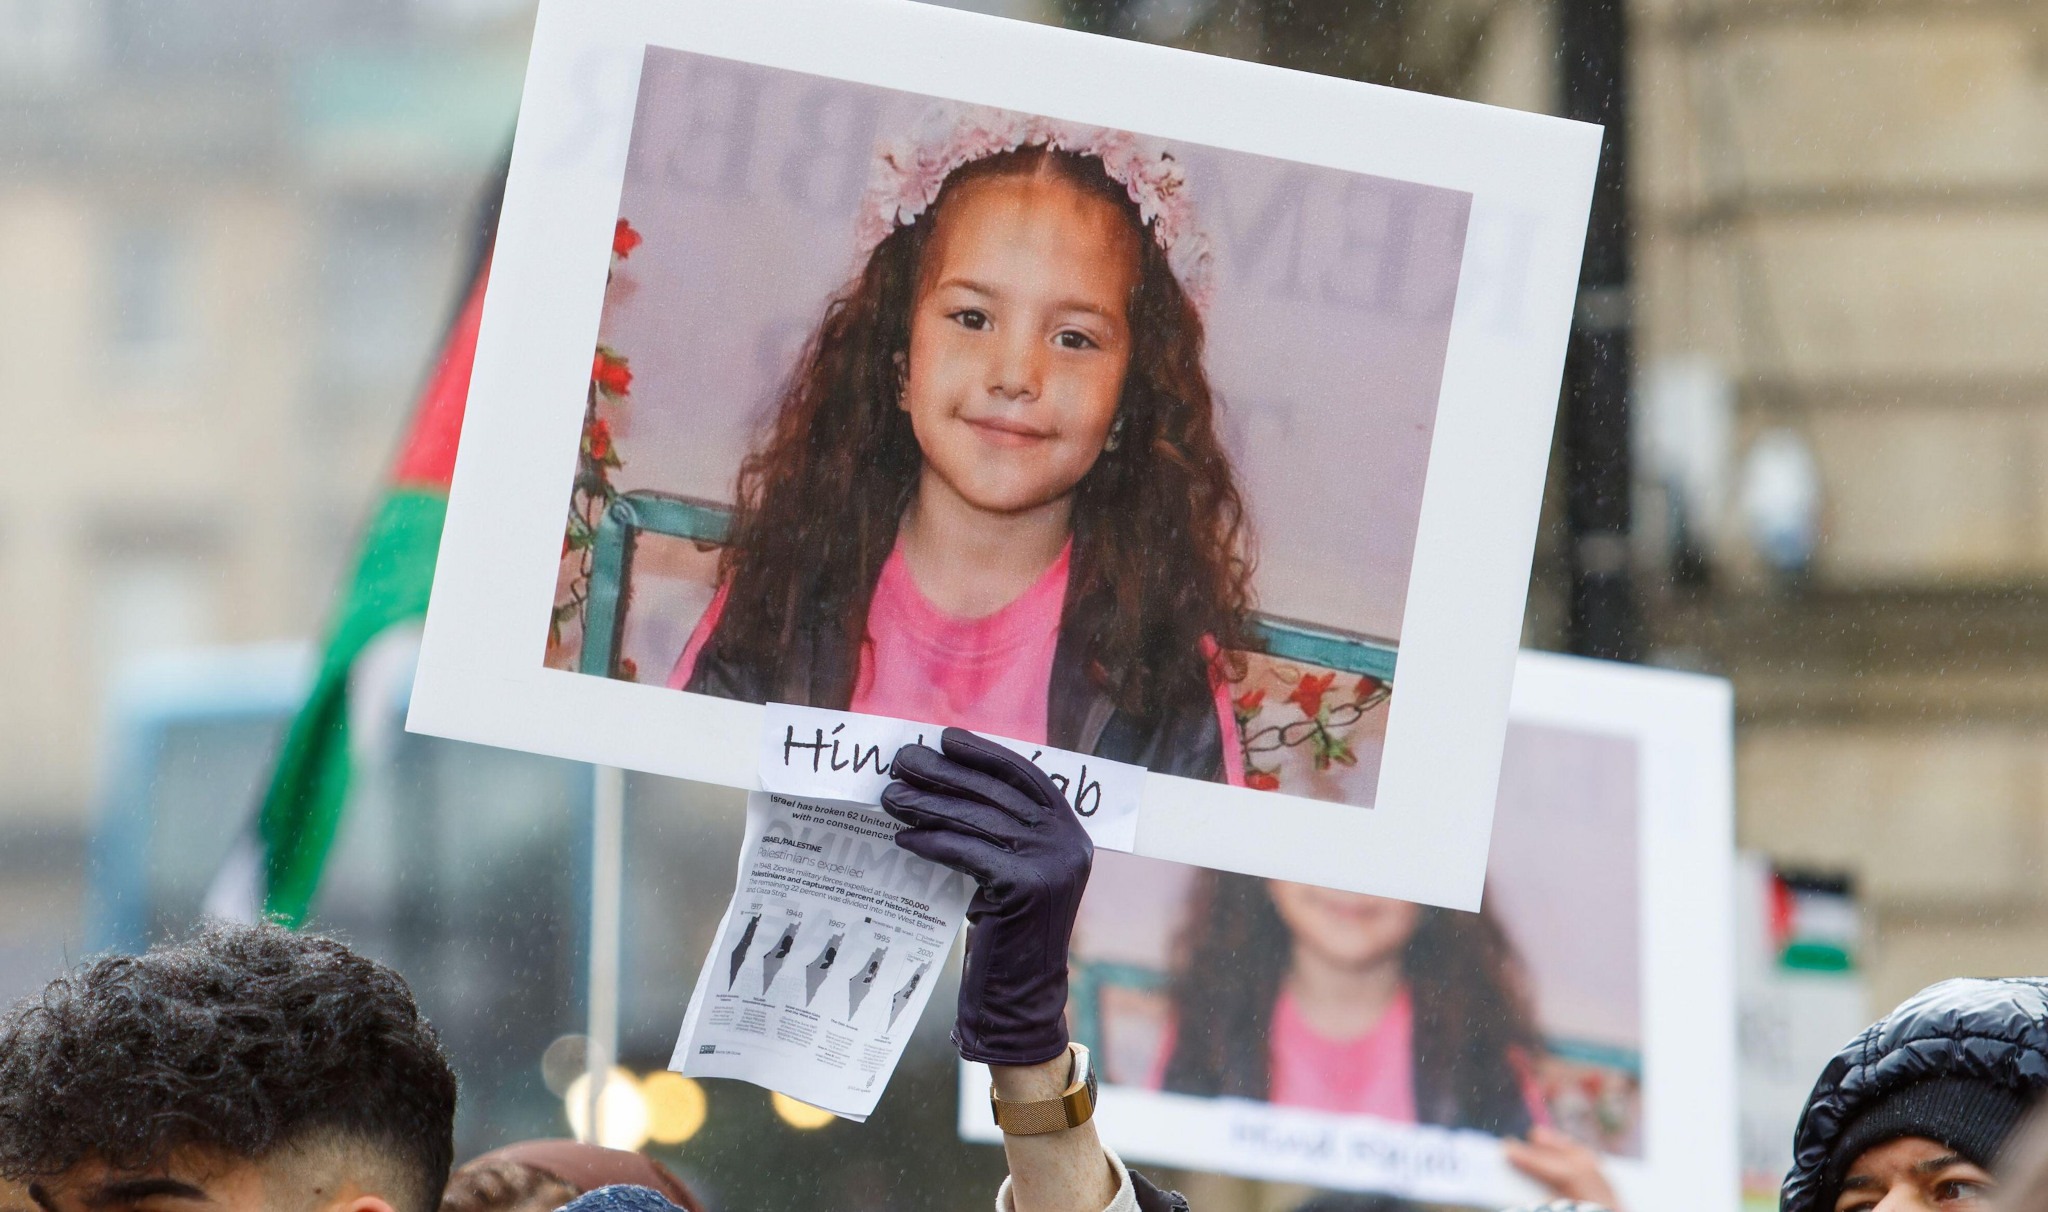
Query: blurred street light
{"x": 800, "y": 1115}
{"x": 676, "y": 1107}
{"x": 563, "y": 1062}
{"x": 622, "y": 1114}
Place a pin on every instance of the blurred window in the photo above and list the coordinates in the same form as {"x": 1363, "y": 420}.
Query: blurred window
{"x": 178, "y": 36}
{"x": 380, "y": 308}
{"x": 150, "y": 294}
{"x": 45, "y": 42}
{"x": 146, "y": 603}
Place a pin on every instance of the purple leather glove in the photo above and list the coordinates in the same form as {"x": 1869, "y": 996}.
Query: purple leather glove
{"x": 987, "y": 812}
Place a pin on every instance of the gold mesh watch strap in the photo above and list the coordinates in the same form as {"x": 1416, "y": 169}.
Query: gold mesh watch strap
{"x": 1074, "y": 1106}
{"x": 1030, "y": 1119}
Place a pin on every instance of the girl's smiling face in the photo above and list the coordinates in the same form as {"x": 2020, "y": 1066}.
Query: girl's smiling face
{"x": 1346, "y": 930}
{"x": 1019, "y": 340}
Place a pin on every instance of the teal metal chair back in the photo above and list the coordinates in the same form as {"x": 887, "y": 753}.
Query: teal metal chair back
{"x": 636, "y": 513}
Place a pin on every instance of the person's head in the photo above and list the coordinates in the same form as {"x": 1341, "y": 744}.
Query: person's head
{"x": 1020, "y": 333}
{"x": 542, "y": 1175}
{"x": 496, "y": 1185}
{"x": 1472, "y": 1021}
{"x": 1915, "y": 1113}
{"x": 1022, "y": 344}
{"x": 1913, "y": 1174}
{"x": 244, "y": 1068}
{"x": 1928, "y": 1146}
{"x": 620, "y": 1199}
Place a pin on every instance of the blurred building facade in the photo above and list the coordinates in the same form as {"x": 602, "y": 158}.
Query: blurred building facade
{"x": 1842, "y": 240}
{"x": 229, "y": 234}
{"x": 1840, "y": 415}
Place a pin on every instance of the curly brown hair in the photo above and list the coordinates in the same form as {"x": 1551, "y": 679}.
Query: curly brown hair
{"x": 1473, "y": 1025}
{"x": 242, "y": 1040}
{"x": 1161, "y": 559}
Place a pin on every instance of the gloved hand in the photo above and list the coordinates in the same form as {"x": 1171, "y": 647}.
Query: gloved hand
{"x": 987, "y": 812}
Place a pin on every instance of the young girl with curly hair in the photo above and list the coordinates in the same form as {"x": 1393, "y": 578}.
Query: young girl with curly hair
{"x": 993, "y": 494}
{"x": 1310, "y": 997}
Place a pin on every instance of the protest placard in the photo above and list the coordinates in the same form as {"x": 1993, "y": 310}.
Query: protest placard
{"x": 1298, "y": 1033}
{"x": 866, "y": 355}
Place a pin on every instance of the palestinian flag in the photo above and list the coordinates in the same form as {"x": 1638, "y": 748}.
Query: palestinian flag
{"x": 279, "y": 866}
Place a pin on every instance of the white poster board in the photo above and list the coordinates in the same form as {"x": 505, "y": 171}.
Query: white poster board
{"x": 1385, "y": 282}
{"x": 1611, "y": 887}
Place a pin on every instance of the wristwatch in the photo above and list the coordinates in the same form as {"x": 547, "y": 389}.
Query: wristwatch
{"x": 1074, "y": 1106}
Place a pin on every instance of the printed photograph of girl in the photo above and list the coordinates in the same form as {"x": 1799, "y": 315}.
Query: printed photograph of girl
{"x": 1369, "y": 1006}
{"x": 1091, "y": 420}
{"x": 993, "y": 494}
{"x": 1230, "y": 989}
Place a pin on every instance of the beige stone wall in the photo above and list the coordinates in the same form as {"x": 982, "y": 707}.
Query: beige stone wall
{"x": 213, "y": 457}
{"x": 206, "y": 488}
{"x": 1846, "y": 207}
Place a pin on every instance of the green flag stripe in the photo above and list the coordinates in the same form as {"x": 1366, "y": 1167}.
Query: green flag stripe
{"x": 302, "y": 808}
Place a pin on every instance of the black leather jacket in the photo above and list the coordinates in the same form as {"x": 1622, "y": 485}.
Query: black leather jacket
{"x": 1186, "y": 739}
{"x": 1152, "y": 1199}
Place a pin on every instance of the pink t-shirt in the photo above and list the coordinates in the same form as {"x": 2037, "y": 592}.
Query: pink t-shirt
{"x": 1371, "y": 1074}
{"x": 989, "y": 675}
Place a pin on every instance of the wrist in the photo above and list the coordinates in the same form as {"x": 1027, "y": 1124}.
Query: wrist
{"x": 1029, "y": 1083}
{"x": 1030, "y": 1110}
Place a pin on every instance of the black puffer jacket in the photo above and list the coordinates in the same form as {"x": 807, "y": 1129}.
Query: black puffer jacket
{"x": 1995, "y": 1031}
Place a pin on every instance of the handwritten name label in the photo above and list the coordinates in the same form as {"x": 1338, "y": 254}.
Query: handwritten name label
{"x": 810, "y": 751}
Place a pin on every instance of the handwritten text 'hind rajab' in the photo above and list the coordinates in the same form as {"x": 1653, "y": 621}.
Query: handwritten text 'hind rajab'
{"x": 840, "y": 755}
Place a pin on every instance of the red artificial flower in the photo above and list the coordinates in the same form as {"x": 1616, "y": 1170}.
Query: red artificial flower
{"x": 624, "y": 240}
{"x": 1262, "y": 780}
{"x": 598, "y": 438}
{"x": 1368, "y": 686}
{"x": 629, "y": 669}
{"x": 610, "y": 373}
{"x": 1251, "y": 700}
{"x": 1308, "y": 693}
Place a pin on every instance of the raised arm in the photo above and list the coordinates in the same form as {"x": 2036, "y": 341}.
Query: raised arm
{"x": 981, "y": 809}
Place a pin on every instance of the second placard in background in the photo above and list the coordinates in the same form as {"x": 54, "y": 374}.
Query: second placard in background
{"x": 1291, "y": 1032}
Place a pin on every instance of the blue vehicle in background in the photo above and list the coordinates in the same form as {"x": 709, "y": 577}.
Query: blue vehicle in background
{"x": 463, "y": 866}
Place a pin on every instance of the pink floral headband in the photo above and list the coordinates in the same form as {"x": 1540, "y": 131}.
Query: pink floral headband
{"x": 909, "y": 175}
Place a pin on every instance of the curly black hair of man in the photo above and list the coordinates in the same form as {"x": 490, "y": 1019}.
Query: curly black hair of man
{"x": 239, "y": 1040}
